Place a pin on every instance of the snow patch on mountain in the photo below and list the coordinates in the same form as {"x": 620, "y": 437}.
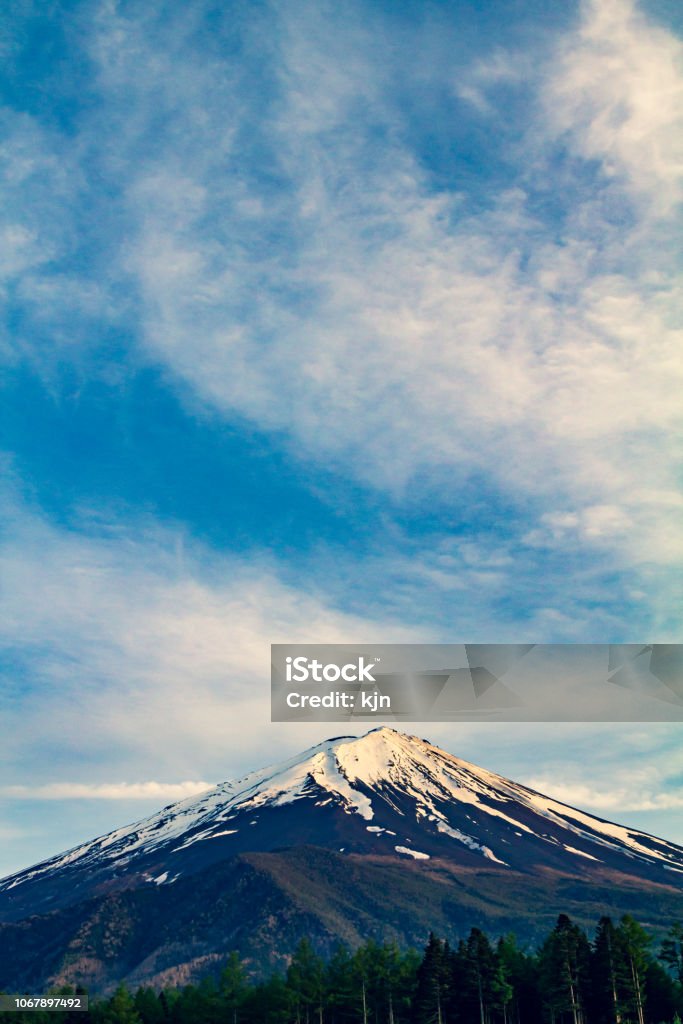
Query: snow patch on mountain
{"x": 455, "y": 833}
{"x": 580, "y": 853}
{"x": 329, "y": 774}
{"x": 415, "y": 854}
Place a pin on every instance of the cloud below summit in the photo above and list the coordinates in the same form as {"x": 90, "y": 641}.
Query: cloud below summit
{"x": 106, "y": 791}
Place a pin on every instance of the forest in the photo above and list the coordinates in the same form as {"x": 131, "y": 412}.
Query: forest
{"x": 617, "y": 978}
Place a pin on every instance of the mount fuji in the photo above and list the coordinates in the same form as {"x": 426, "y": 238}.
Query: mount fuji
{"x": 383, "y": 835}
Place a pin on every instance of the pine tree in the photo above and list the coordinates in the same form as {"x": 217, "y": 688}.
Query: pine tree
{"x": 520, "y": 972}
{"x": 481, "y": 990}
{"x": 661, "y": 994}
{"x": 564, "y": 962}
{"x": 607, "y": 1000}
{"x": 401, "y": 979}
{"x": 148, "y": 1006}
{"x": 267, "y": 1003}
{"x": 672, "y": 951}
{"x": 341, "y": 987}
{"x": 633, "y": 947}
{"x": 305, "y": 976}
{"x": 119, "y": 1009}
{"x": 233, "y": 987}
{"x": 433, "y": 975}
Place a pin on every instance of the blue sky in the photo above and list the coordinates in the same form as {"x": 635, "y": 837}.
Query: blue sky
{"x": 328, "y": 322}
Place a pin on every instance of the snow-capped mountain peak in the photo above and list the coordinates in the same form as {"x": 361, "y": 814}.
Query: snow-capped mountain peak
{"x": 386, "y": 794}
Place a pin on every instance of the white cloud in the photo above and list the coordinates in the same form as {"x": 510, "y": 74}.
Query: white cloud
{"x": 45, "y": 222}
{"x": 28, "y": 169}
{"x": 106, "y": 791}
{"x": 615, "y": 770}
{"x": 389, "y": 332}
{"x": 616, "y": 800}
{"x": 619, "y": 95}
{"x": 145, "y": 653}
{"x": 474, "y": 83}
{"x": 296, "y": 266}
{"x": 11, "y": 833}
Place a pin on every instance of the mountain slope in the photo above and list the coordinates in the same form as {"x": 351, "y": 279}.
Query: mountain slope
{"x": 385, "y": 794}
{"x": 384, "y": 836}
{"x": 261, "y": 904}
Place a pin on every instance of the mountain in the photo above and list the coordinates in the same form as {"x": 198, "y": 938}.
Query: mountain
{"x": 383, "y": 835}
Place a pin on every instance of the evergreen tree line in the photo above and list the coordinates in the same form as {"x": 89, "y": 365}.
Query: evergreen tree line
{"x": 615, "y": 979}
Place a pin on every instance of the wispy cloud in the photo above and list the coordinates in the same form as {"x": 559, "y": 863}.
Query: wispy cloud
{"x": 105, "y": 791}
{"x": 396, "y": 331}
{"x": 56, "y": 285}
{"x": 617, "y": 773}
{"x": 285, "y": 254}
{"x": 146, "y": 650}
{"x": 618, "y": 95}
{"x": 11, "y": 833}
{"x": 620, "y": 800}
